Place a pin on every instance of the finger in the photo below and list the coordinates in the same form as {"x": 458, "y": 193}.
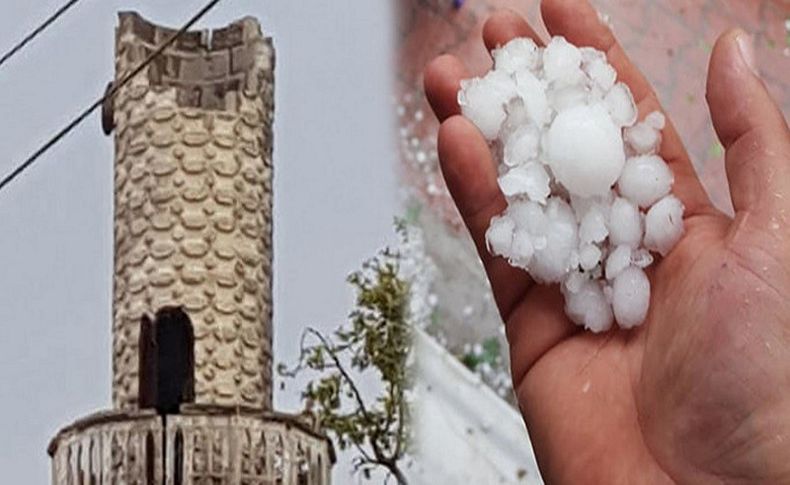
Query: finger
{"x": 471, "y": 178}
{"x": 751, "y": 127}
{"x": 505, "y": 25}
{"x": 442, "y": 80}
{"x": 442, "y": 77}
{"x": 536, "y": 325}
{"x": 579, "y": 23}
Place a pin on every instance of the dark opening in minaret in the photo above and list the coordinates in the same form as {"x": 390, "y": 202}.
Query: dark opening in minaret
{"x": 167, "y": 362}
{"x": 91, "y": 465}
{"x": 80, "y": 471}
{"x": 150, "y": 459}
{"x": 147, "y": 370}
{"x": 178, "y": 462}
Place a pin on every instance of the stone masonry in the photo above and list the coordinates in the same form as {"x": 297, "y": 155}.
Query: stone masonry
{"x": 193, "y": 232}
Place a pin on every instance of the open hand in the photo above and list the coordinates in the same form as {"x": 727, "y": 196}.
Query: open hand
{"x": 700, "y": 393}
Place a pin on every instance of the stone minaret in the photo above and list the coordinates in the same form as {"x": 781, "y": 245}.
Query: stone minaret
{"x": 192, "y": 306}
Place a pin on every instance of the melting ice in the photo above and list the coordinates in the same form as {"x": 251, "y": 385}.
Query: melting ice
{"x": 589, "y": 198}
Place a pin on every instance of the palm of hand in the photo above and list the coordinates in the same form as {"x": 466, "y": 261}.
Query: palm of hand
{"x": 688, "y": 395}
{"x": 699, "y": 393}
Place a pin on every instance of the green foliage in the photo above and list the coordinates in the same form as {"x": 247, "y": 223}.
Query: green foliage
{"x": 377, "y": 338}
{"x": 413, "y": 212}
{"x": 490, "y": 354}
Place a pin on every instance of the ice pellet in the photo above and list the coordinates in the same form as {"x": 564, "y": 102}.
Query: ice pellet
{"x": 574, "y": 281}
{"x": 519, "y": 55}
{"x": 592, "y": 227}
{"x": 522, "y": 146}
{"x": 584, "y": 149}
{"x": 561, "y": 59}
{"x": 656, "y": 119}
{"x": 588, "y": 195}
{"x": 641, "y": 258}
{"x": 568, "y": 97}
{"x": 530, "y": 180}
{"x": 601, "y": 72}
{"x": 620, "y": 103}
{"x": 645, "y": 179}
{"x": 588, "y": 307}
{"x": 664, "y": 225}
{"x": 617, "y": 261}
{"x": 642, "y": 138}
{"x": 529, "y": 215}
{"x": 553, "y": 262}
{"x": 532, "y": 93}
{"x": 522, "y": 248}
{"x": 630, "y": 297}
{"x": 499, "y": 235}
{"x": 589, "y": 256}
{"x": 483, "y": 101}
{"x": 625, "y": 223}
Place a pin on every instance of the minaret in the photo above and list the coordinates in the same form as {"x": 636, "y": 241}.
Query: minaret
{"x": 192, "y": 306}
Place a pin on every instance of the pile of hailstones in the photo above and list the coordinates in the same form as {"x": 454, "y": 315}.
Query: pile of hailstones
{"x": 588, "y": 197}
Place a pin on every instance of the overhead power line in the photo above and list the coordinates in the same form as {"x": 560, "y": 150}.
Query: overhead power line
{"x": 108, "y": 95}
{"x": 41, "y": 28}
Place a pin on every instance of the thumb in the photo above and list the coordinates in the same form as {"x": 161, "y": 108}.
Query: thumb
{"x": 752, "y": 129}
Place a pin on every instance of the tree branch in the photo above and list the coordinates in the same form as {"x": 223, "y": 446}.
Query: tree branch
{"x": 381, "y": 457}
{"x": 342, "y": 370}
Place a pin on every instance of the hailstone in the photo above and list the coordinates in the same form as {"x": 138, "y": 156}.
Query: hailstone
{"x": 589, "y": 196}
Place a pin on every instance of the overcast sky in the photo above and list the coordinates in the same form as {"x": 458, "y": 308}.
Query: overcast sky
{"x": 334, "y": 194}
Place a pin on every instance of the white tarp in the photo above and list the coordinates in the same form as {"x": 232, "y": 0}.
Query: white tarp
{"x": 465, "y": 432}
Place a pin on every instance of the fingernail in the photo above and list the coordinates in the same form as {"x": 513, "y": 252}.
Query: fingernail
{"x": 746, "y": 48}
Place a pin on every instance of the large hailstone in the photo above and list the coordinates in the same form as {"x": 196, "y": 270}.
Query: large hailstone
{"x": 589, "y": 196}
{"x": 584, "y": 149}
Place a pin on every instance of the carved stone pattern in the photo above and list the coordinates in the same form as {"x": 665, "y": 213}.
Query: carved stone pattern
{"x": 112, "y": 452}
{"x": 217, "y": 450}
{"x": 193, "y": 209}
{"x": 247, "y": 451}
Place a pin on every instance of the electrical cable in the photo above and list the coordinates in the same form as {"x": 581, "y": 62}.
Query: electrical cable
{"x": 108, "y": 95}
{"x": 41, "y": 28}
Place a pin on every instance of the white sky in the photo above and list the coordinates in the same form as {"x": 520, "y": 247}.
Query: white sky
{"x": 334, "y": 194}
